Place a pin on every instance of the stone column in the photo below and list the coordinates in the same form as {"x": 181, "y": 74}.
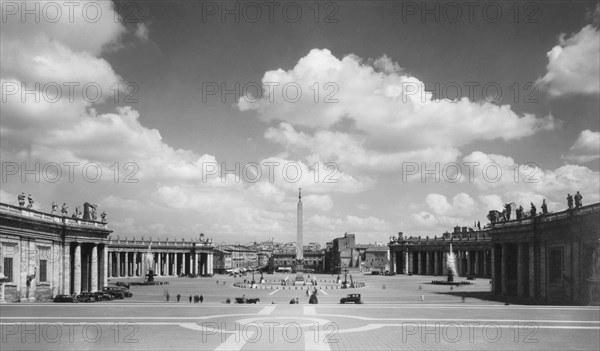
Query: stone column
{"x": 406, "y": 256}
{"x": 135, "y": 264}
{"x": 531, "y": 257}
{"x": 65, "y": 261}
{"x": 443, "y": 263}
{"x": 476, "y": 271}
{"x": 392, "y": 261}
{"x": 469, "y": 262}
{"x": 419, "y": 264}
{"x": 127, "y": 264}
{"x": 486, "y": 271}
{"x": 436, "y": 263}
{"x": 211, "y": 259}
{"x": 520, "y": 270}
{"x": 77, "y": 269}
{"x": 174, "y": 264}
{"x": 427, "y": 263}
{"x": 118, "y": 263}
{"x": 195, "y": 270}
{"x": 105, "y": 257}
{"x": 494, "y": 274}
{"x": 94, "y": 270}
{"x": 504, "y": 277}
{"x": 110, "y": 264}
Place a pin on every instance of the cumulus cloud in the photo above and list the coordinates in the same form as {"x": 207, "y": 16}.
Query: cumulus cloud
{"x": 586, "y": 148}
{"x": 573, "y": 64}
{"x": 145, "y": 185}
{"x": 383, "y": 105}
{"x": 374, "y": 115}
{"x": 142, "y": 31}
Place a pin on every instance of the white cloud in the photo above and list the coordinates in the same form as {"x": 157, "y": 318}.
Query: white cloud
{"x": 573, "y": 64}
{"x": 586, "y": 148}
{"x": 142, "y": 31}
{"x": 387, "y": 109}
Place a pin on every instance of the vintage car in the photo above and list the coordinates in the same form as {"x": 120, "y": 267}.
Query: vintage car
{"x": 351, "y": 298}
{"x": 86, "y": 297}
{"x": 245, "y": 300}
{"x": 64, "y": 298}
{"x": 116, "y": 291}
{"x": 103, "y": 296}
{"x": 123, "y": 284}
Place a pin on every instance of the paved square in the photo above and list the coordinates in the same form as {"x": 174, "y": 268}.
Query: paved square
{"x": 399, "y": 312}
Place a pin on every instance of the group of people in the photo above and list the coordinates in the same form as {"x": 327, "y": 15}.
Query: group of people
{"x": 196, "y": 298}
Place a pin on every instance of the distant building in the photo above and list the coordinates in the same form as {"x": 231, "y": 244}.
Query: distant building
{"x": 376, "y": 259}
{"x": 285, "y": 260}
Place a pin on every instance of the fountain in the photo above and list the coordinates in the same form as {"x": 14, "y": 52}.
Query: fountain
{"x": 149, "y": 262}
{"x": 451, "y": 271}
{"x": 451, "y": 266}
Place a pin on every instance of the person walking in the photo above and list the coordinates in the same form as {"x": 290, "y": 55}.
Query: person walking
{"x": 190, "y": 298}
{"x": 178, "y": 297}
{"x": 201, "y": 298}
{"x": 168, "y": 296}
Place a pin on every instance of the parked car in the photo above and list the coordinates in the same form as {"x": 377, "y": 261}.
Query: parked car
{"x": 86, "y": 297}
{"x": 123, "y": 284}
{"x": 351, "y": 298}
{"x": 116, "y": 291}
{"x": 103, "y": 296}
{"x": 64, "y": 298}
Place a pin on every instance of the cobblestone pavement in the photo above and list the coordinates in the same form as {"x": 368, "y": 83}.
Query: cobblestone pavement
{"x": 398, "y": 313}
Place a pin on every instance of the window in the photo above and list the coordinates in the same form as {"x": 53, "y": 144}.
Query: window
{"x": 8, "y": 268}
{"x": 43, "y": 271}
{"x": 555, "y": 266}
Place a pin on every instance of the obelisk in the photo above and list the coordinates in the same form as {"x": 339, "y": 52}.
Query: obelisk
{"x": 300, "y": 247}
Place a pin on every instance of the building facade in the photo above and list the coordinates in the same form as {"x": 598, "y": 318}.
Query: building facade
{"x": 553, "y": 258}
{"x": 171, "y": 258}
{"x": 286, "y": 260}
{"x": 416, "y": 255}
{"x": 549, "y": 258}
{"x": 43, "y": 255}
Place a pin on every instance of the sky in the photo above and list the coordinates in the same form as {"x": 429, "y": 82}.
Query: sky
{"x": 178, "y": 117}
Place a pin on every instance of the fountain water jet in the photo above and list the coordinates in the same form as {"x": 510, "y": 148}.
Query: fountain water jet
{"x": 451, "y": 265}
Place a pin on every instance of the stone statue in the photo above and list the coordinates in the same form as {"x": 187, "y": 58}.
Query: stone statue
{"x": 544, "y": 207}
{"x": 103, "y": 217}
{"x": 507, "y": 211}
{"x": 519, "y": 212}
{"x": 533, "y": 210}
{"x": 30, "y": 200}
{"x": 89, "y": 212}
{"x": 495, "y": 216}
{"x": 54, "y": 207}
{"x": 64, "y": 209}
{"x": 570, "y": 201}
{"x": 77, "y": 212}
{"x": 578, "y": 199}
{"x": 21, "y": 199}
